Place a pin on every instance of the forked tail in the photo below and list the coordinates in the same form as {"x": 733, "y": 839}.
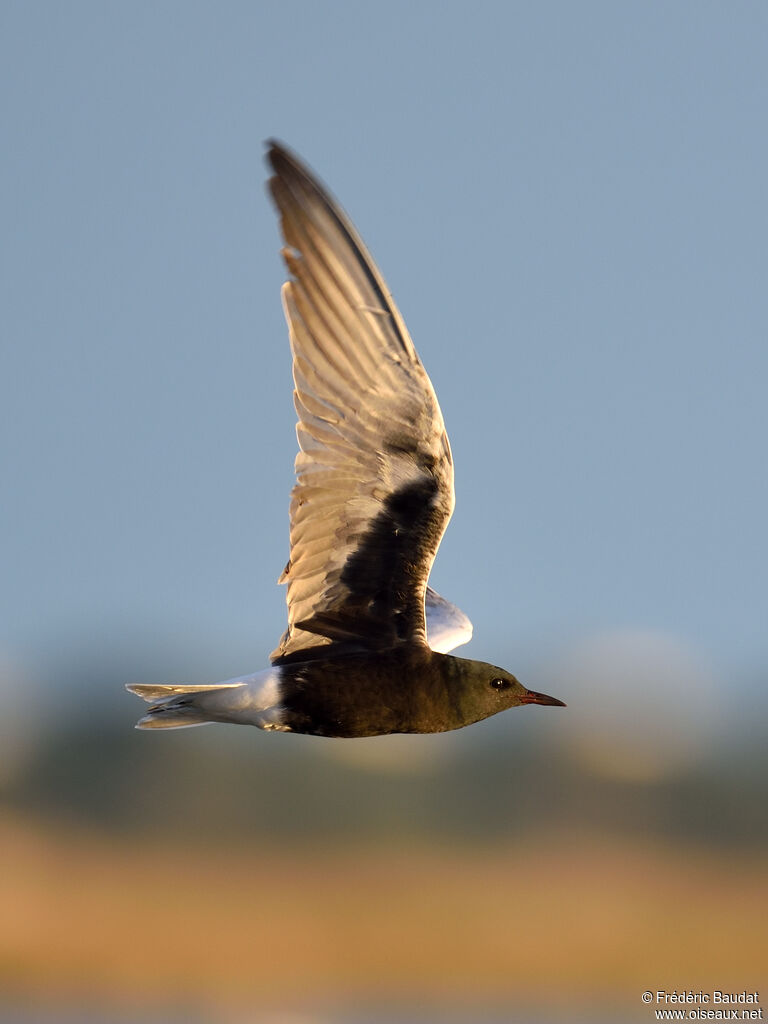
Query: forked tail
{"x": 179, "y": 706}
{"x": 249, "y": 700}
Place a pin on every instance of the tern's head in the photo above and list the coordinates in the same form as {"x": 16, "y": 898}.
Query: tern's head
{"x": 488, "y": 689}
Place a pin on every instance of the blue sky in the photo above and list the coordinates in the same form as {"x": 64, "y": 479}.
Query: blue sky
{"x": 568, "y": 202}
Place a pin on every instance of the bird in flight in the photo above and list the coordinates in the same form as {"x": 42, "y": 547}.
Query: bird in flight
{"x": 366, "y": 648}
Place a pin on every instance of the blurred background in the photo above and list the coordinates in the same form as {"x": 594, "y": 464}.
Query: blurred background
{"x": 568, "y": 202}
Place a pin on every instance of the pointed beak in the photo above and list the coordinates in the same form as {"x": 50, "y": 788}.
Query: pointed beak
{"x": 531, "y": 697}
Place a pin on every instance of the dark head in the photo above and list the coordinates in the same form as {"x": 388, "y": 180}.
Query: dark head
{"x": 487, "y": 689}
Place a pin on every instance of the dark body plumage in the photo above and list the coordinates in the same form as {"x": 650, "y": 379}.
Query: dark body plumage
{"x": 365, "y": 651}
{"x": 407, "y": 689}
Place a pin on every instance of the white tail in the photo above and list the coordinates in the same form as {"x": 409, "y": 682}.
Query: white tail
{"x": 177, "y": 706}
{"x": 250, "y": 700}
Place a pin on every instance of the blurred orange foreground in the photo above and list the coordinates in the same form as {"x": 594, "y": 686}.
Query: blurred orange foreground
{"x": 555, "y": 921}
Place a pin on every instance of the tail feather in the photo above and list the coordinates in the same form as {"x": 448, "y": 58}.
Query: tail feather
{"x": 178, "y": 705}
{"x": 152, "y": 691}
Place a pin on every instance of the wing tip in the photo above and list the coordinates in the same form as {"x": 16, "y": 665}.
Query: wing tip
{"x": 284, "y": 162}
{"x": 275, "y": 147}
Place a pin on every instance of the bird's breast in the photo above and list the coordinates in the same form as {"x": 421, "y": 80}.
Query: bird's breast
{"x": 406, "y": 690}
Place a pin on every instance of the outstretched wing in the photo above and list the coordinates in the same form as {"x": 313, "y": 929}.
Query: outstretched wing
{"x": 374, "y": 489}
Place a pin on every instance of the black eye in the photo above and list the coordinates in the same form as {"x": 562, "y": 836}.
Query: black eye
{"x": 500, "y": 684}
